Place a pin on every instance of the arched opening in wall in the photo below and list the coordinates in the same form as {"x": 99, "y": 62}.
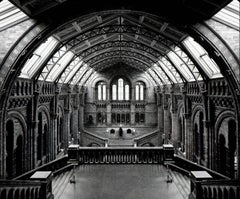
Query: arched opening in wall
{"x": 101, "y": 91}
{"x": 170, "y": 128}
{"x": 59, "y": 134}
{"x": 19, "y": 155}
{"x": 99, "y": 118}
{"x": 128, "y": 118}
{"x": 112, "y": 131}
{"x": 222, "y": 154}
{"x": 201, "y": 133}
{"x": 232, "y": 193}
{"x": 90, "y": 119}
{"x": 232, "y": 142}
{"x": 113, "y": 118}
{"x": 195, "y": 142}
{"x": 10, "y": 194}
{"x": 45, "y": 141}
{"x": 120, "y": 89}
{"x": 181, "y": 130}
{"x": 39, "y": 138}
{"x": 17, "y": 194}
{"x": 137, "y": 119}
{"x": 9, "y": 148}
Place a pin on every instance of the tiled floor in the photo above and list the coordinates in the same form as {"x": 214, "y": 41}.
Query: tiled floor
{"x": 121, "y": 182}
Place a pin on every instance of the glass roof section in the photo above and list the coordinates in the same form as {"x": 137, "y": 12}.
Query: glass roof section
{"x": 181, "y": 66}
{"x": 161, "y": 77}
{"x": 202, "y": 57}
{"x": 229, "y": 15}
{"x": 70, "y": 70}
{"x": 81, "y": 71}
{"x": 56, "y": 64}
{"x": 86, "y": 76}
{"x": 162, "y": 74}
{"x": 38, "y": 58}
{"x": 59, "y": 66}
{"x": 10, "y": 15}
{"x": 66, "y": 67}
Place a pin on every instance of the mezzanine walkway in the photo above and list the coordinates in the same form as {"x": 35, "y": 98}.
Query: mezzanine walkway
{"x": 121, "y": 181}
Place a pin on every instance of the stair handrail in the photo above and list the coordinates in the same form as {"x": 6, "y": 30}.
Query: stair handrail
{"x": 140, "y": 138}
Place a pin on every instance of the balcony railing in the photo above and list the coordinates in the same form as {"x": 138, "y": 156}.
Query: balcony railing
{"x": 117, "y": 155}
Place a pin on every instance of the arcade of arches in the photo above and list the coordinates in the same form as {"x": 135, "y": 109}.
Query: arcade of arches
{"x": 66, "y": 78}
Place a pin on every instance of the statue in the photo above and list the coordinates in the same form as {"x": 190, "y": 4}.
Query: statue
{"x": 120, "y": 131}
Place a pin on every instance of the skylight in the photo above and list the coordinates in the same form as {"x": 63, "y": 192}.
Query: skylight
{"x": 39, "y": 56}
{"x": 10, "y": 15}
{"x": 229, "y": 15}
{"x": 182, "y": 67}
{"x": 202, "y": 57}
{"x": 59, "y": 66}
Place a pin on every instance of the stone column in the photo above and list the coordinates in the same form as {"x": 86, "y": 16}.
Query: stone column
{"x": 166, "y": 122}
{"x": 75, "y": 117}
{"x": 54, "y": 125}
{"x": 160, "y": 116}
{"x": 188, "y": 136}
{"x": 133, "y": 111}
{"x": 188, "y": 125}
{"x": 109, "y": 113}
{"x": 81, "y": 109}
{"x": 175, "y": 125}
{"x": 33, "y": 137}
{"x": 66, "y": 121}
{"x": 132, "y": 107}
{"x": 208, "y": 133}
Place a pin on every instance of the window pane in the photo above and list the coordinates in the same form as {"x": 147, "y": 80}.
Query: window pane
{"x": 99, "y": 92}
{"x": 120, "y": 89}
{"x": 126, "y": 92}
{"x": 141, "y": 92}
{"x": 114, "y": 92}
{"x": 137, "y": 92}
{"x": 104, "y": 97}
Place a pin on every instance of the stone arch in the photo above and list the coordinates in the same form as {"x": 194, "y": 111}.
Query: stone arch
{"x": 232, "y": 193}
{"x": 16, "y": 139}
{"x": 60, "y": 133}
{"x": 43, "y": 138}
{"x": 226, "y": 142}
{"x": 16, "y": 194}
{"x": 181, "y": 136}
{"x": 198, "y": 134}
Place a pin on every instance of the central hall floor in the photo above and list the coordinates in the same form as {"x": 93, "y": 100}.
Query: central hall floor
{"x": 121, "y": 181}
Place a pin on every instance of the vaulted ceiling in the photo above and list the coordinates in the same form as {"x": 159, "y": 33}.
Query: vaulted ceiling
{"x": 137, "y": 34}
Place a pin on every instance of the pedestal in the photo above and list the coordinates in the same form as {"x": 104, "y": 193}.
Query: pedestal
{"x": 73, "y": 153}
{"x": 196, "y": 177}
{"x": 46, "y": 183}
{"x": 168, "y": 152}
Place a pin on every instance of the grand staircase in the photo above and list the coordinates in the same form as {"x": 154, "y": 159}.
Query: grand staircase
{"x": 120, "y": 142}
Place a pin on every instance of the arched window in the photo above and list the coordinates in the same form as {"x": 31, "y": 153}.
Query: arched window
{"x": 139, "y": 91}
{"x": 120, "y": 90}
{"x": 127, "y": 92}
{"x": 114, "y": 92}
{"x": 101, "y": 91}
